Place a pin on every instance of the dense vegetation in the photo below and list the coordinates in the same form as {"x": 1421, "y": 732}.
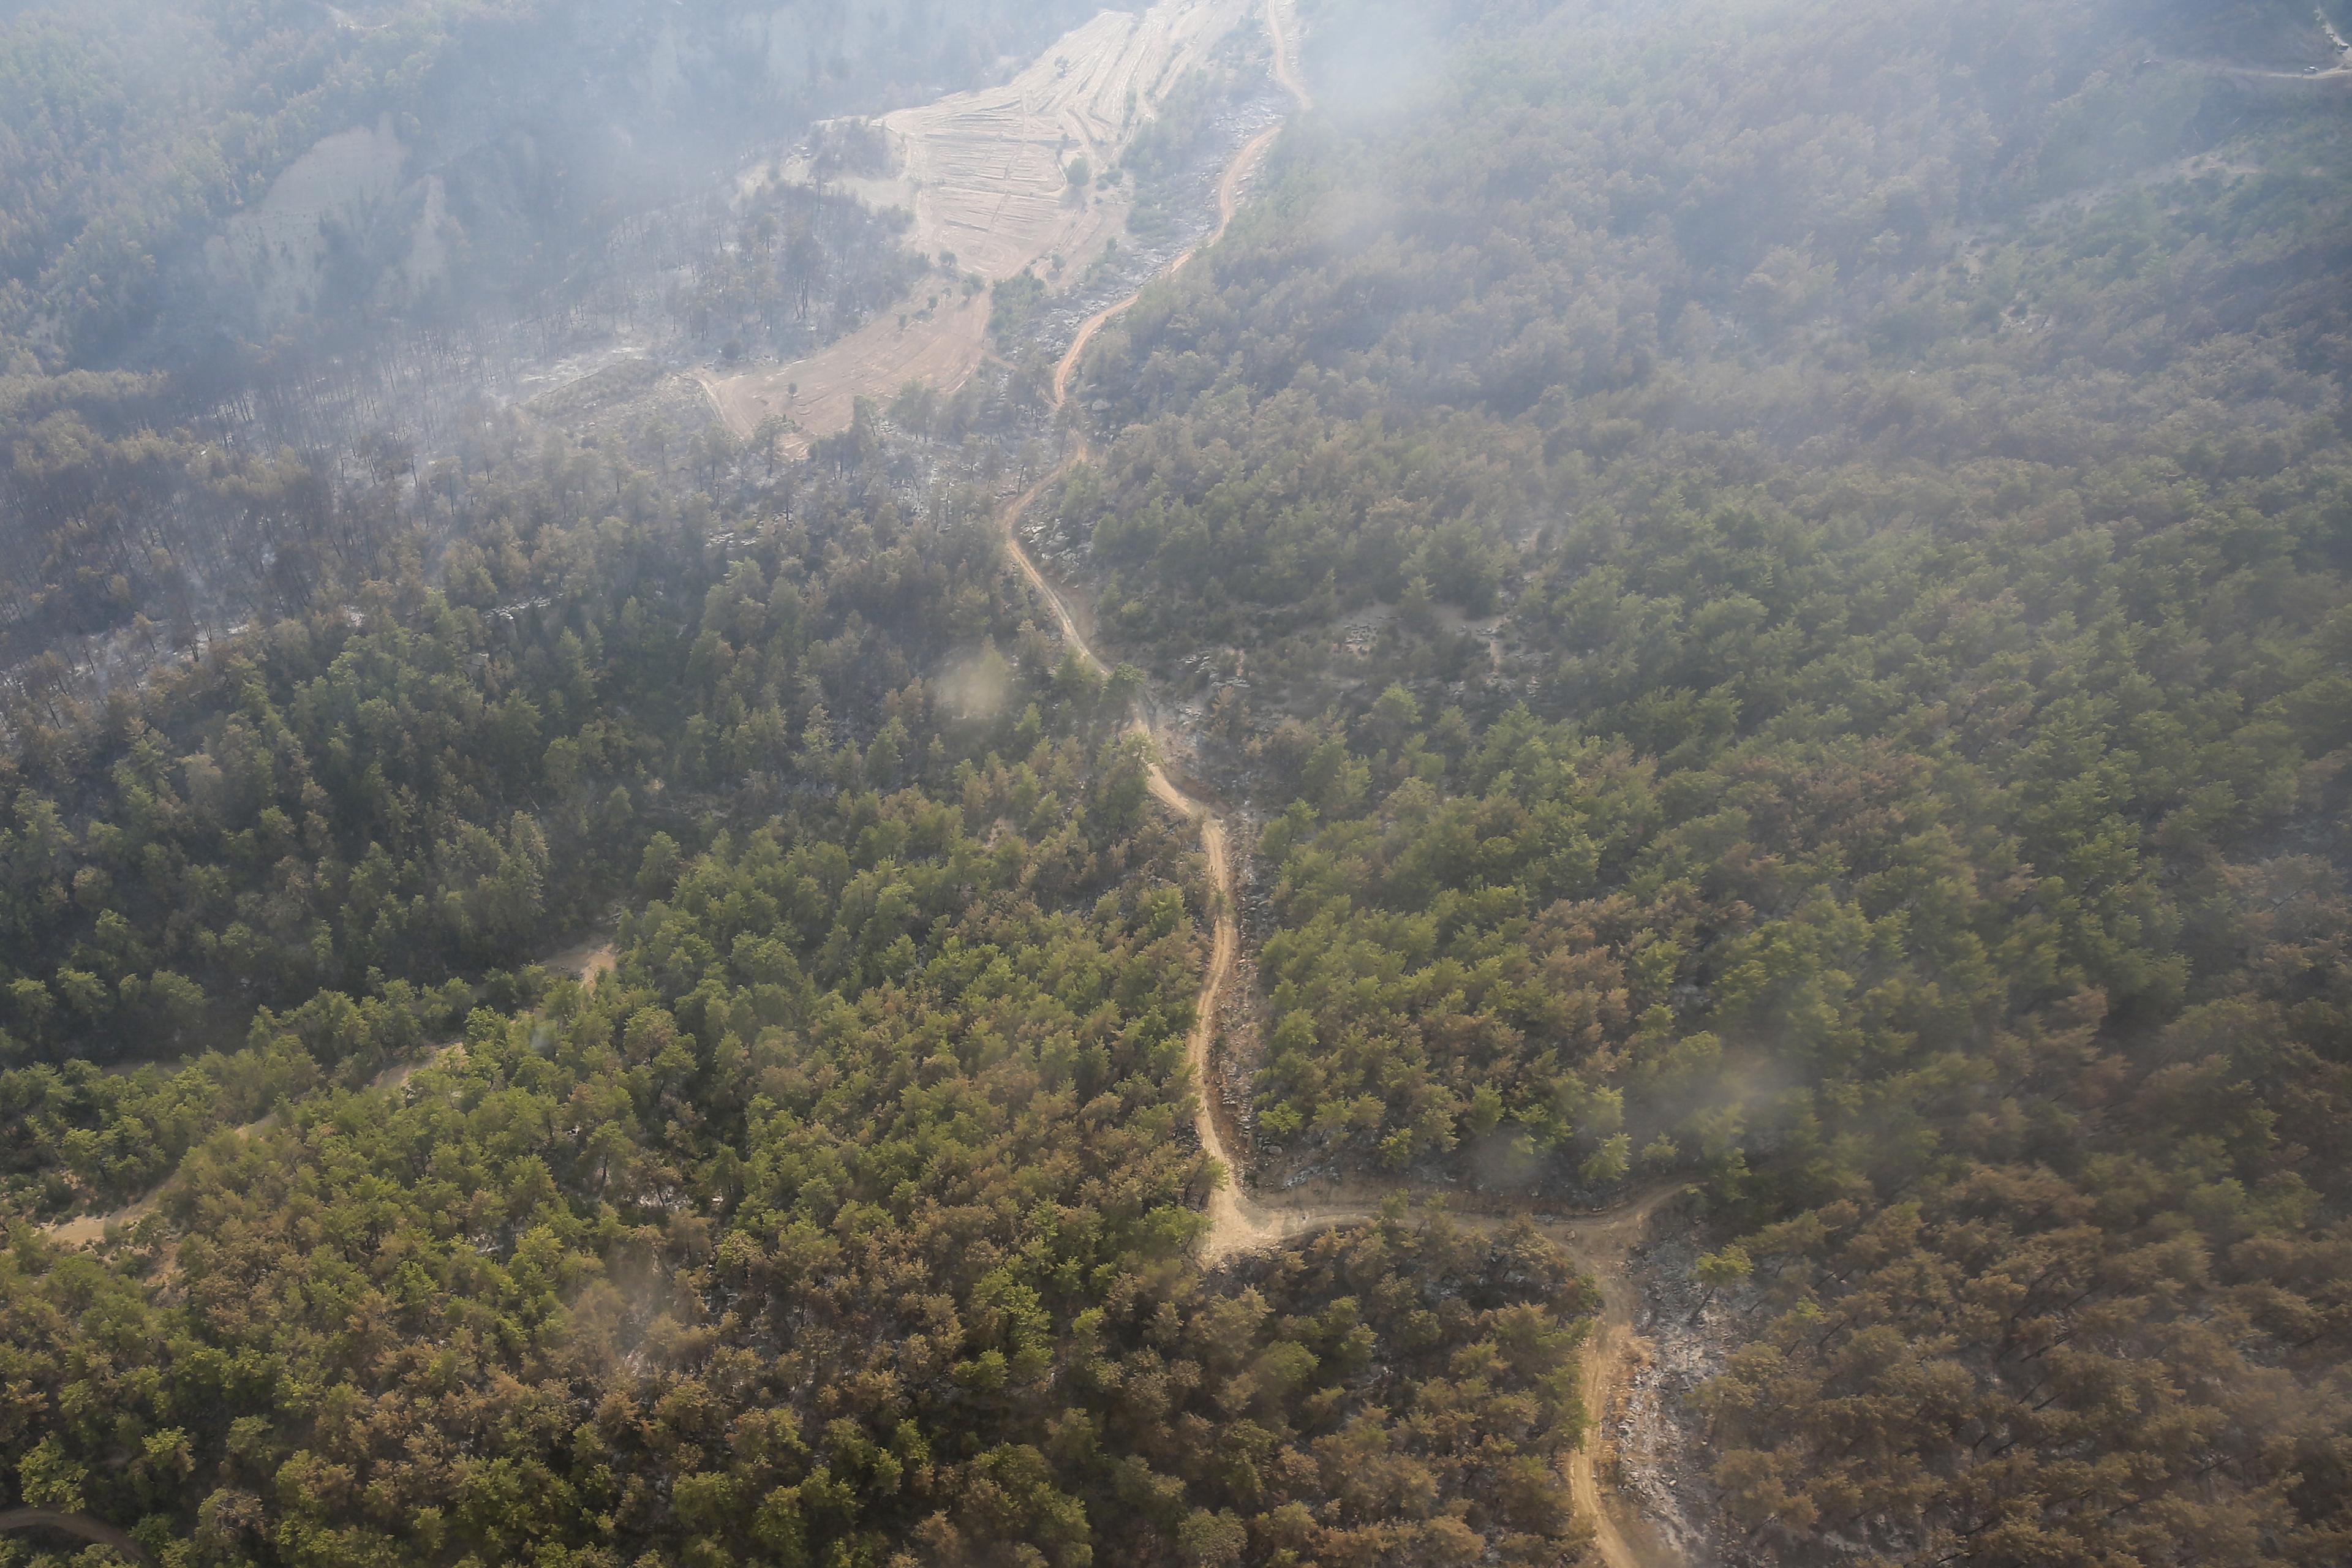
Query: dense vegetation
{"x": 1774, "y": 579}
{"x": 1906, "y": 447}
{"x": 412, "y": 782}
{"x": 850, "y": 1212}
{"x": 852, "y": 1216}
{"x": 798, "y": 1241}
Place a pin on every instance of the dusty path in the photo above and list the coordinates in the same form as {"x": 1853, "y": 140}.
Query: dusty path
{"x": 1239, "y": 1224}
{"x": 80, "y": 1526}
{"x": 2331, "y": 75}
{"x": 1286, "y": 54}
{"x": 1603, "y": 1243}
{"x": 591, "y": 960}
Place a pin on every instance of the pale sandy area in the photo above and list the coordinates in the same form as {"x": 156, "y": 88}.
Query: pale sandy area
{"x": 83, "y": 1230}
{"x": 984, "y": 175}
{"x": 280, "y": 246}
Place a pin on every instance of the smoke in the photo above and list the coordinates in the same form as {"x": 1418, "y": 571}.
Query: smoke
{"x": 974, "y": 685}
{"x": 1355, "y": 216}
{"x": 1377, "y": 61}
{"x": 1506, "y": 1159}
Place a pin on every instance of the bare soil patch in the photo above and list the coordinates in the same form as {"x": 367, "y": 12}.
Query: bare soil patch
{"x": 986, "y": 176}
{"x": 88, "y": 1229}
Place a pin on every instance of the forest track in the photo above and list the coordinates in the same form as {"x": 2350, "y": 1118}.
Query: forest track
{"x": 1602, "y": 1241}
{"x": 590, "y": 961}
{"x": 1237, "y": 1223}
{"x": 2330, "y": 75}
{"x": 80, "y": 1526}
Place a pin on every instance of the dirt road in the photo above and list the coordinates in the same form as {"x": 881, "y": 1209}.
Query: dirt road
{"x": 80, "y": 1526}
{"x": 1603, "y": 1244}
{"x": 1285, "y": 53}
{"x": 1239, "y": 1224}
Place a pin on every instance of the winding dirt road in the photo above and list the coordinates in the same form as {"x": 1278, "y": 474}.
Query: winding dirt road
{"x": 1601, "y": 1242}
{"x": 1239, "y": 1224}
{"x": 81, "y": 1527}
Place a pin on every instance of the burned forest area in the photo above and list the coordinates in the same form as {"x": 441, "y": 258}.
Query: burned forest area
{"x": 1197, "y": 784}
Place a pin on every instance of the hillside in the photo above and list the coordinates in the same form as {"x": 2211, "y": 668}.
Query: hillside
{"x": 1781, "y": 605}
{"x": 247, "y": 250}
{"x": 1597, "y": 813}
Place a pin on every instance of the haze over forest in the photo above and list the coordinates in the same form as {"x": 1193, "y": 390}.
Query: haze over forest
{"x": 1308, "y": 784}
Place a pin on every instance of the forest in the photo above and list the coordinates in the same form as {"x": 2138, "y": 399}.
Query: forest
{"x": 1793, "y": 606}
{"x": 847, "y": 1212}
{"x": 1763, "y": 588}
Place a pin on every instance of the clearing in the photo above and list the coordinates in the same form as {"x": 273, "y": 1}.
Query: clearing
{"x": 985, "y": 174}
